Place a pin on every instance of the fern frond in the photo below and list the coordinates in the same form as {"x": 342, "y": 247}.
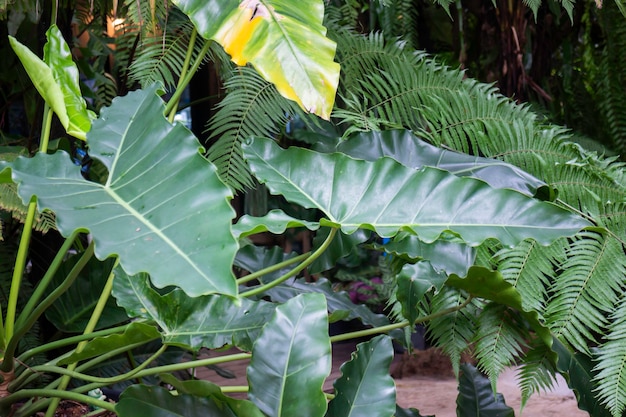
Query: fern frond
{"x": 530, "y": 267}
{"x": 106, "y": 91}
{"x": 537, "y": 372}
{"x": 11, "y": 202}
{"x": 345, "y": 14}
{"x": 252, "y": 107}
{"x": 161, "y": 57}
{"x": 611, "y": 363}
{"x": 611, "y": 91}
{"x": 587, "y": 289}
{"x": 361, "y": 56}
{"x": 500, "y": 339}
{"x": 398, "y": 19}
{"x": 453, "y": 332}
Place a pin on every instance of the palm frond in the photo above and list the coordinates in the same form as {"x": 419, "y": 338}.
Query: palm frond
{"x": 252, "y": 107}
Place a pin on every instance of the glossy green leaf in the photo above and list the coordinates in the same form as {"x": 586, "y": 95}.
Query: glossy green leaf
{"x": 253, "y": 258}
{"x": 276, "y": 222}
{"x": 444, "y": 255}
{"x": 291, "y": 360}
{"x": 414, "y": 282}
{"x": 408, "y": 412}
{"x": 365, "y": 388}
{"x": 338, "y": 302}
{"x": 163, "y": 209}
{"x": 408, "y": 149}
{"x": 134, "y": 333}
{"x": 476, "y": 398}
{"x": 155, "y": 401}
{"x": 386, "y": 197}
{"x": 577, "y": 369}
{"x": 491, "y": 285}
{"x": 5, "y": 173}
{"x": 210, "y": 321}
{"x": 57, "y": 81}
{"x": 241, "y": 408}
{"x": 284, "y": 40}
{"x": 71, "y": 312}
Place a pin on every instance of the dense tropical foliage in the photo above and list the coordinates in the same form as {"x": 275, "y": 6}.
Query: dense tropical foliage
{"x": 502, "y": 234}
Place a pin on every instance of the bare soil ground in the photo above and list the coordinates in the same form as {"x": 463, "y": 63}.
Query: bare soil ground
{"x": 431, "y": 387}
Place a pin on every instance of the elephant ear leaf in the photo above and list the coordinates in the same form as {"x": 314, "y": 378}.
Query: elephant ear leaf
{"x": 56, "y": 80}
{"x": 476, "y": 397}
{"x": 291, "y": 360}
{"x": 162, "y": 198}
{"x": 387, "y": 197}
{"x": 365, "y": 386}
{"x": 284, "y": 40}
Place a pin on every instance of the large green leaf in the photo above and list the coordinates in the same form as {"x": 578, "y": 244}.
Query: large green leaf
{"x": 387, "y": 197}
{"x": 411, "y": 151}
{"x": 444, "y": 255}
{"x": 241, "y": 408}
{"x": 291, "y": 360}
{"x": 577, "y": 369}
{"x": 56, "y": 79}
{"x": 134, "y": 333}
{"x": 284, "y": 40}
{"x": 276, "y": 222}
{"x": 254, "y": 258}
{"x": 365, "y": 388}
{"x": 491, "y": 285}
{"x": 339, "y": 303}
{"x": 408, "y": 412}
{"x": 414, "y": 282}
{"x": 154, "y": 401}
{"x": 210, "y": 321}
{"x": 477, "y": 399}
{"x": 162, "y": 210}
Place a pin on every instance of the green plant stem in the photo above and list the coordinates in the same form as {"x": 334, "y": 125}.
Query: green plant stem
{"x": 34, "y": 372}
{"x": 400, "y": 325}
{"x": 45, "y": 281}
{"x": 46, "y": 127}
{"x": 275, "y": 267}
{"x": 29, "y": 320}
{"x": 68, "y": 395}
{"x": 101, "y": 380}
{"x": 91, "y": 325}
{"x": 40, "y": 404}
{"x": 70, "y": 341}
{"x": 183, "y": 72}
{"x": 172, "y": 105}
{"x": 16, "y": 281}
{"x": 235, "y": 388}
{"x": 22, "y": 252}
{"x": 308, "y": 261}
